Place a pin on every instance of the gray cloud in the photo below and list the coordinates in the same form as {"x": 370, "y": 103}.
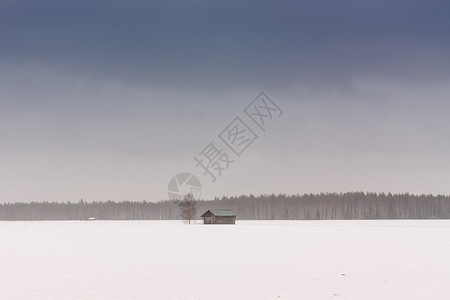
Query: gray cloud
{"x": 204, "y": 44}
{"x": 109, "y": 99}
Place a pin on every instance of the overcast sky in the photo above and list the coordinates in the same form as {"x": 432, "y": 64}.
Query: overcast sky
{"x": 108, "y": 100}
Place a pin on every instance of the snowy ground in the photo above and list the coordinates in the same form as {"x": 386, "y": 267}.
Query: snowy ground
{"x": 251, "y": 260}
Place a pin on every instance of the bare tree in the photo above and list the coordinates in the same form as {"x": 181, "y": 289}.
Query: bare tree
{"x": 187, "y": 208}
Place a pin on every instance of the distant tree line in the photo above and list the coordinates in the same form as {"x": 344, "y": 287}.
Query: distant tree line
{"x": 330, "y": 206}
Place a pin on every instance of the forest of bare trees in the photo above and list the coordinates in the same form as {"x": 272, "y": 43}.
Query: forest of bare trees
{"x": 265, "y": 207}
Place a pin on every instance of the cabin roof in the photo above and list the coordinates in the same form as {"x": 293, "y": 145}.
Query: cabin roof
{"x": 220, "y": 213}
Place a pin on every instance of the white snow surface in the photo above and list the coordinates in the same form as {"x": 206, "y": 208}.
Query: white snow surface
{"x": 250, "y": 260}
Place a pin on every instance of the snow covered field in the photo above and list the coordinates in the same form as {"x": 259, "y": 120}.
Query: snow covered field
{"x": 251, "y": 260}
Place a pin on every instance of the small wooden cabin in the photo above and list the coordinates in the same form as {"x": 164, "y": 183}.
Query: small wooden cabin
{"x": 219, "y": 216}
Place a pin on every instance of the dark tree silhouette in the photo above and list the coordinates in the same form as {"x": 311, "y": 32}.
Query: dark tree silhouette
{"x": 355, "y": 205}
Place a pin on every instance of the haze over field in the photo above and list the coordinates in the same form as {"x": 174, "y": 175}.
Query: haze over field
{"x": 107, "y": 100}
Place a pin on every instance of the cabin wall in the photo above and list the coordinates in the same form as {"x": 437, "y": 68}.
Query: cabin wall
{"x": 208, "y": 219}
{"x": 225, "y": 220}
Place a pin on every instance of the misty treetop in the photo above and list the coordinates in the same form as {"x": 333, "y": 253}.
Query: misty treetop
{"x": 330, "y": 206}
